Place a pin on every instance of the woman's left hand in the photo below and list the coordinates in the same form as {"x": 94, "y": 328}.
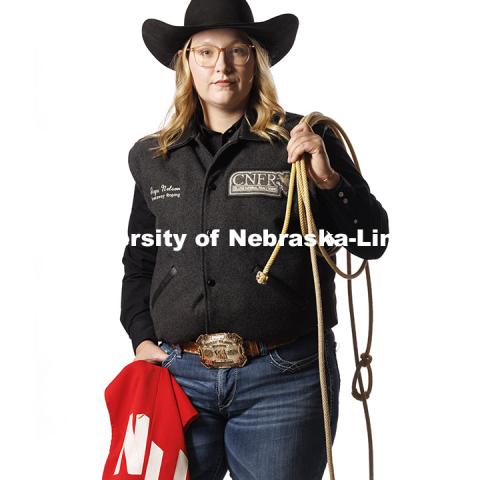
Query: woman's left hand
{"x": 304, "y": 141}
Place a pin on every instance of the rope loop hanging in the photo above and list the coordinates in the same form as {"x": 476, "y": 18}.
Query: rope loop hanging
{"x": 299, "y": 178}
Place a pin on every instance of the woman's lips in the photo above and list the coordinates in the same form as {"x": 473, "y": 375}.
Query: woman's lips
{"x": 224, "y": 84}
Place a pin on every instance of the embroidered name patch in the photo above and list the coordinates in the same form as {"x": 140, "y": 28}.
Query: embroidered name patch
{"x": 259, "y": 182}
{"x": 165, "y": 191}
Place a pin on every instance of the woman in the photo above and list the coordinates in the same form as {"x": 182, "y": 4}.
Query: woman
{"x": 245, "y": 354}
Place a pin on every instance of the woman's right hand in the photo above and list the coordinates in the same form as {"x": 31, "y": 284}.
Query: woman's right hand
{"x": 150, "y": 351}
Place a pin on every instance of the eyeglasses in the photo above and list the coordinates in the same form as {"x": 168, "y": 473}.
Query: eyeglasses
{"x": 207, "y": 55}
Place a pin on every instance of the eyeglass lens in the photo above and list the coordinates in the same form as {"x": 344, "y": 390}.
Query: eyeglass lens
{"x": 207, "y": 55}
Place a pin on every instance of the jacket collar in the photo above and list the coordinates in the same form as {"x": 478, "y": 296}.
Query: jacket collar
{"x": 244, "y": 129}
{"x": 192, "y": 131}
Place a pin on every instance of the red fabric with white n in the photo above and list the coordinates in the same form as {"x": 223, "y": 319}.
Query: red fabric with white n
{"x": 149, "y": 412}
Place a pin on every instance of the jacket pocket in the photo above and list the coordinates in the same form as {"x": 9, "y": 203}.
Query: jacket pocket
{"x": 163, "y": 283}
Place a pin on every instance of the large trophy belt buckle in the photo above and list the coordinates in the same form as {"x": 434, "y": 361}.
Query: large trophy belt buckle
{"x": 221, "y": 350}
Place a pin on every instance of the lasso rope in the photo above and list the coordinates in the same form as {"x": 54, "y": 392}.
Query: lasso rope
{"x": 307, "y": 223}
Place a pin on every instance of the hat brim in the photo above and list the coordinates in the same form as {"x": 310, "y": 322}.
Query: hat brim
{"x": 276, "y": 35}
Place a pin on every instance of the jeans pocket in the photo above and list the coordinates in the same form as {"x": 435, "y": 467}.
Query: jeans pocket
{"x": 172, "y": 354}
{"x": 295, "y": 356}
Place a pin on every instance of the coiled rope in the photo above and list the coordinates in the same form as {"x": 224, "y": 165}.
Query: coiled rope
{"x": 307, "y": 223}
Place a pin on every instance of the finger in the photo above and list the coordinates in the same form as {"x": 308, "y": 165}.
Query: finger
{"x": 310, "y": 144}
{"x": 300, "y": 137}
{"x": 301, "y": 127}
{"x": 304, "y": 137}
{"x": 297, "y": 127}
{"x": 299, "y": 150}
{"x": 298, "y": 130}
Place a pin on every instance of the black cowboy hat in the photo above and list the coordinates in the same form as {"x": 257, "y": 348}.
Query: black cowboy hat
{"x": 275, "y": 35}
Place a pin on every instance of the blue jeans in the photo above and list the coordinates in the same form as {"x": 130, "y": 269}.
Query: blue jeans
{"x": 264, "y": 420}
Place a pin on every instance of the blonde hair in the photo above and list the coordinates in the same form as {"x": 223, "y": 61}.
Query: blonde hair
{"x": 263, "y": 99}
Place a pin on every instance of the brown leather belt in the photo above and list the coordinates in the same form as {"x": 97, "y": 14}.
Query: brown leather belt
{"x": 227, "y": 349}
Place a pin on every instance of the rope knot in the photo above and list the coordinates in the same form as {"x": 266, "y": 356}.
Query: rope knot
{"x": 261, "y": 277}
{"x": 366, "y": 359}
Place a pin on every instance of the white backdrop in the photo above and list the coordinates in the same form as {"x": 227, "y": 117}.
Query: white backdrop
{"x": 78, "y": 88}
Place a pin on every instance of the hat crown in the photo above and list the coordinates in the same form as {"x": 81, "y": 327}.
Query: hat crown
{"x": 211, "y": 12}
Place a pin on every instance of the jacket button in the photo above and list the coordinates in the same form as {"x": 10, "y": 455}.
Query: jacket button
{"x": 212, "y": 186}
{"x": 210, "y": 282}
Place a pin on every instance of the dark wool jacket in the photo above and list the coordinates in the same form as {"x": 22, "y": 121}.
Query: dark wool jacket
{"x": 174, "y": 296}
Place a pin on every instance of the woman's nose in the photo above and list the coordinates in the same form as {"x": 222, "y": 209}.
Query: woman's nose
{"x": 222, "y": 62}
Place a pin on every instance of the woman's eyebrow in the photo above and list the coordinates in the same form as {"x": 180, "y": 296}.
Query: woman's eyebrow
{"x": 207, "y": 42}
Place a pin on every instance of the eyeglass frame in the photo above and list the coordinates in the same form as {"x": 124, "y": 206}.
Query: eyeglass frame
{"x": 219, "y": 49}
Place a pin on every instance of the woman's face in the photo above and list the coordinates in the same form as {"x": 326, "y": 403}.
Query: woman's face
{"x": 233, "y": 96}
